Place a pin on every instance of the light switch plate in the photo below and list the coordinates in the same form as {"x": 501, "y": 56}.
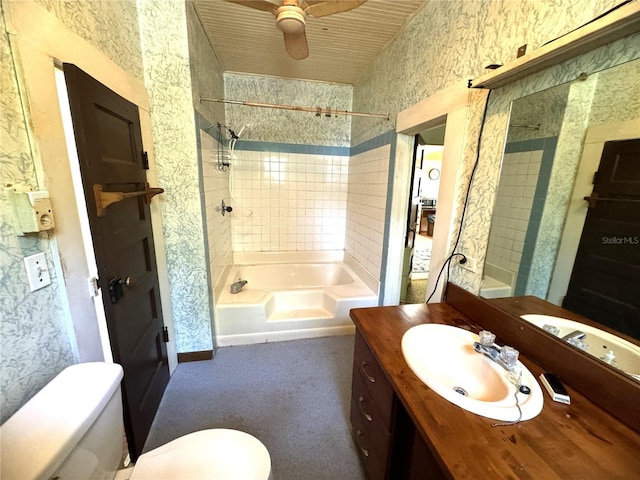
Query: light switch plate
{"x": 37, "y": 271}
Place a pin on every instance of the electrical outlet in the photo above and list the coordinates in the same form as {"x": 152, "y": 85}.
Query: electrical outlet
{"x": 37, "y": 271}
{"x": 471, "y": 264}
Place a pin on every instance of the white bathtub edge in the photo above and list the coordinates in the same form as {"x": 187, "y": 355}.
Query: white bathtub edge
{"x": 368, "y": 279}
{"x": 492, "y": 288}
{"x": 268, "y": 337}
{"x": 324, "y": 256}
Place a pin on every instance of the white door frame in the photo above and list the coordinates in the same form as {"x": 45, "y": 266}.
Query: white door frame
{"x": 453, "y": 107}
{"x": 577, "y": 213}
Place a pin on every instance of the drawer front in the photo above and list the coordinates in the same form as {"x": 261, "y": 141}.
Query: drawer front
{"x": 374, "y": 465}
{"x": 375, "y": 381}
{"x": 369, "y": 419}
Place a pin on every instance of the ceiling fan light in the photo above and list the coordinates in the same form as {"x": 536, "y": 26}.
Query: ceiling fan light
{"x": 290, "y": 19}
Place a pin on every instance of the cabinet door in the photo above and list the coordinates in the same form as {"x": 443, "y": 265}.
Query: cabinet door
{"x": 422, "y": 463}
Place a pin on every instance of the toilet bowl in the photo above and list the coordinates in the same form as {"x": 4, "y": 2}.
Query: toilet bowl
{"x": 217, "y": 453}
{"x": 73, "y": 428}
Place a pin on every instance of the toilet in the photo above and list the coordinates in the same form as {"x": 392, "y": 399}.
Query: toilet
{"x": 72, "y": 429}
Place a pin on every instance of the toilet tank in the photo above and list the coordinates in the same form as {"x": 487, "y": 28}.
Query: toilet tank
{"x": 72, "y": 428}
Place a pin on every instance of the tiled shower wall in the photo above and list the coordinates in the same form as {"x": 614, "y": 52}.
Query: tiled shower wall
{"x": 366, "y": 204}
{"x": 216, "y": 187}
{"x": 512, "y": 209}
{"x": 289, "y": 201}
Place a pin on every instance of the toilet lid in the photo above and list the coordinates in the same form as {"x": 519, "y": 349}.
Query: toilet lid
{"x": 207, "y": 454}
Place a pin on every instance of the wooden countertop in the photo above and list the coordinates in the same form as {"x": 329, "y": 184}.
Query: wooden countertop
{"x": 577, "y": 441}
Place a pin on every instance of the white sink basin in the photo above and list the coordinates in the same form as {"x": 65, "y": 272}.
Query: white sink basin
{"x": 444, "y": 359}
{"x": 614, "y": 350}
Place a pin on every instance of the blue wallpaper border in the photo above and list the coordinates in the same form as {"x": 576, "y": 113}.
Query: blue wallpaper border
{"x": 248, "y": 145}
{"x": 387, "y": 138}
{"x": 548, "y": 147}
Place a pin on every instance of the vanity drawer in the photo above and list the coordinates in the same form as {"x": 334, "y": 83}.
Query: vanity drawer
{"x": 369, "y": 420}
{"x": 375, "y": 465}
{"x": 375, "y": 381}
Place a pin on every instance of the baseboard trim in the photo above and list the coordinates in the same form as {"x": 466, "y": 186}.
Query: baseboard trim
{"x": 195, "y": 356}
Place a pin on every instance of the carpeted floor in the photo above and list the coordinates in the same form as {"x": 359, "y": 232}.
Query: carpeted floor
{"x": 416, "y": 291}
{"x": 293, "y": 396}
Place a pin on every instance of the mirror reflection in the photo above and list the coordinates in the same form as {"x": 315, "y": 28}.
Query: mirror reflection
{"x": 546, "y": 240}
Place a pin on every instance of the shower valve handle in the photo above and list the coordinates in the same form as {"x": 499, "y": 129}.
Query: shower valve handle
{"x": 224, "y": 208}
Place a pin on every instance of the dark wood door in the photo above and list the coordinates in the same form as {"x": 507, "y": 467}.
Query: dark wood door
{"x": 109, "y": 143}
{"x": 605, "y": 282}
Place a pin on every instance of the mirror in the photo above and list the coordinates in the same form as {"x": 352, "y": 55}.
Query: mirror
{"x": 554, "y": 145}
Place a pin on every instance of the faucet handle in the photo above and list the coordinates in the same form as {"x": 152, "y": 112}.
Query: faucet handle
{"x": 487, "y": 338}
{"x": 509, "y": 356}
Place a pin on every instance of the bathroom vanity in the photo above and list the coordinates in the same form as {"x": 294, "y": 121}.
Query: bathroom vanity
{"x": 404, "y": 430}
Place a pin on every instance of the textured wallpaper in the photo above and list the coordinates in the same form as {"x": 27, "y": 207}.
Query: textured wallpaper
{"x": 483, "y": 191}
{"x": 168, "y": 80}
{"x": 452, "y": 41}
{"x": 36, "y": 341}
{"x": 539, "y": 115}
{"x": 206, "y": 76}
{"x": 565, "y": 167}
{"x": 616, "y": 97}
{"x": 287, "y": 126}
{"x": 112, "y": 25}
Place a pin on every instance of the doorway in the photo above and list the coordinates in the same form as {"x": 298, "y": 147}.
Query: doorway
{"x": 423, "y": 204}
{"x": 451, "y": 106}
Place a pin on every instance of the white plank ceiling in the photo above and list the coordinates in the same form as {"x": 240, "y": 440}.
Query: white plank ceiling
{"x": 341, "y": 46}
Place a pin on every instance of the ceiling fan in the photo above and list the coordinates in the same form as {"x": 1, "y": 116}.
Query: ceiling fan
{"x": 291, "y": 18}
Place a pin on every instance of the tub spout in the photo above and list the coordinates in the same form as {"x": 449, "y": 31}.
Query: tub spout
{"x": 236, "y": 287}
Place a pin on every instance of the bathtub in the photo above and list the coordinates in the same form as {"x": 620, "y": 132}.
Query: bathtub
{"x": 497, "y": 282}
{"x": 287, "y": 301}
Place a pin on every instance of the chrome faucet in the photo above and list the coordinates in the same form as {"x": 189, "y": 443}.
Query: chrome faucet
{"x": 236, "y": 287}
{"x": 505, "y": 356}
{"x": 575, "y": 335}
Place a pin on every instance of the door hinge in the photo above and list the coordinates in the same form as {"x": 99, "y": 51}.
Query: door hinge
{"x": 165, "y": 335}
{"x": 145, "y": 160}
{"x": 595, "y": 178}
{"x": 94, "y": 288}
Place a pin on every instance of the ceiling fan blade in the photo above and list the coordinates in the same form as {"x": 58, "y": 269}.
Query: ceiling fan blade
{"x": 323, "y": 9}
{"x": 296, "y": 45}
{"x": 262, "y": 5}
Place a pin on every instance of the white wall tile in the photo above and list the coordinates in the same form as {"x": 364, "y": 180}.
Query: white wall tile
{"x": 293, "y": 198}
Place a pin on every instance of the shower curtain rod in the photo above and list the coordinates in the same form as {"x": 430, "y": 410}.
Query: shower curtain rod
{"x": 317, "y": 110}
